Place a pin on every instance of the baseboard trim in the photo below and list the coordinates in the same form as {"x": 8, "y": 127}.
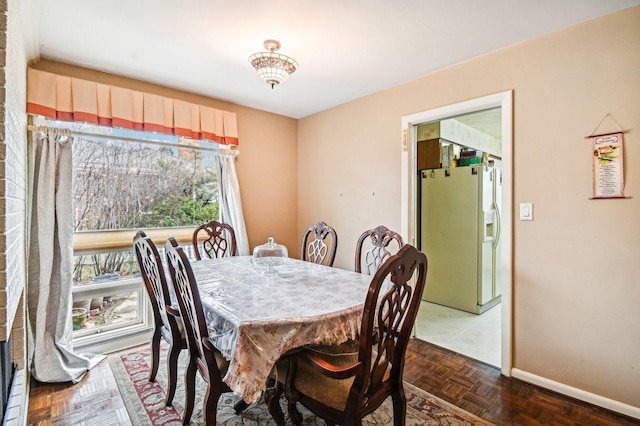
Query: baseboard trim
{"x": 600, "y": 401}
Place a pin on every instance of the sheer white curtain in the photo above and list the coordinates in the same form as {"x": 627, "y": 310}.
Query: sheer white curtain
{"x": 51, "y": 263}
{"x": 230, "y": 203}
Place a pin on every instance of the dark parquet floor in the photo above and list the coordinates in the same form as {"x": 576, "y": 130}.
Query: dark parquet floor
{"x": 480, "y": 389}
{"x": 471, "y": 385}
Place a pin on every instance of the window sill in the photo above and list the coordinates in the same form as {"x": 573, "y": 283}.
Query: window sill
{"x": 104, "y": 343}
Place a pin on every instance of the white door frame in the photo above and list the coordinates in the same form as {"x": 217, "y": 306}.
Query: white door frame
{"x": 504, "y": 100}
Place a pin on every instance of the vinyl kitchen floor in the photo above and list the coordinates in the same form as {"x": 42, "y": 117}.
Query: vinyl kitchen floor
{"x": 476, "y": 336}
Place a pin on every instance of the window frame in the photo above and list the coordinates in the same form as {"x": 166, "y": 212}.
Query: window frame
{"x": 91, "y": 242}
{"x": 115, "y": 337}
{"x": 109, "y": 338}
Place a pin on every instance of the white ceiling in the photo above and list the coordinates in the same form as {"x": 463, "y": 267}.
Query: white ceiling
{"x": 346, "y": 48}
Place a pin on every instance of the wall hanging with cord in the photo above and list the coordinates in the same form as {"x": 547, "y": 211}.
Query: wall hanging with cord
{"x": 607, "y": 162}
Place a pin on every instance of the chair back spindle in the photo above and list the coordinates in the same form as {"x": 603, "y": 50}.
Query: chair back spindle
{"x": 203, "y": 356}
{"x": 214, "y": 239}
{"x": 388, "y": 319}
{"x": 153, "y": 276}
{"x": 314, "y": 244}
{"x": 186, "y": 290}
{"x": 166, "y": 326}
{"x": 378, "y": 240}
{"x": 343, "y": 387}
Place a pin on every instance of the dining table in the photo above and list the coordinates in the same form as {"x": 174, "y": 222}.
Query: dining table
{"x": 256, "y": 314}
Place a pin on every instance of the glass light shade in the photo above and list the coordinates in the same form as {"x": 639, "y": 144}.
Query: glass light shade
{"x": 273, "y": 68}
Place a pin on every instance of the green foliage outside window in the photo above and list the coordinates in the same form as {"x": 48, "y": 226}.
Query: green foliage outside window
{"x": 181, "y": 211}
{"x": 129, "y": 185}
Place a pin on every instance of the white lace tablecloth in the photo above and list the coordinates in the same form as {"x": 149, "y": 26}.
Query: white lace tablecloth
{"x": 254, "y": 318}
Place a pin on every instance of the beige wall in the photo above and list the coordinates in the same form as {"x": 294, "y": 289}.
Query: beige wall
{"x": 266, "y": 166}
{"x": 576, "y": 268}
{"x": 577, "y": 264}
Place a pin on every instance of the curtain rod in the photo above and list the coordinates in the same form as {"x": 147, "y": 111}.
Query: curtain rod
{"x": 69, "y": 132}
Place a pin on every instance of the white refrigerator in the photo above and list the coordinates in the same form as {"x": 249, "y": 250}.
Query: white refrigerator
{"x": 460, "y": 234}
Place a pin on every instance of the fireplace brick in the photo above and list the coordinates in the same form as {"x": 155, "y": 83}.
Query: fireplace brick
{"x": 14, "y": 32}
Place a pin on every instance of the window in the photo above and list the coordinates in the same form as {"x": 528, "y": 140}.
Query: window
{"x": 121, "y": 186}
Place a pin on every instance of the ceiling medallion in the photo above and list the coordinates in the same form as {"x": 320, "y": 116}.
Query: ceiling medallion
{"x": 273, "y": 68}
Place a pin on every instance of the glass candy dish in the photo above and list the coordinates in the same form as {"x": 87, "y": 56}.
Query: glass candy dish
{"x": 270, "y": 255}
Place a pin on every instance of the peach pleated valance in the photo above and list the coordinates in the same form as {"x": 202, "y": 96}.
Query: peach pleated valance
{"x": 72, "y": 99}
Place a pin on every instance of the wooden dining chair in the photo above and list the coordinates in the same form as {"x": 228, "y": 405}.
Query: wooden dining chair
{"x": 166, "y": 326}
{"x": 314, "y": 244}
{"x": 203, "y": 356}
{"x": 343, "y": 388}
{"x": 214, "y": 239}
{"x": 376, "y": 243}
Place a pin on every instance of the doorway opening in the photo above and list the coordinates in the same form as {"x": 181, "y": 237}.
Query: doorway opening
{"x": 497, "y": 311}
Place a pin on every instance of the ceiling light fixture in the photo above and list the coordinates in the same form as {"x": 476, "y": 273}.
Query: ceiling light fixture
{"x": 273, "y": 68}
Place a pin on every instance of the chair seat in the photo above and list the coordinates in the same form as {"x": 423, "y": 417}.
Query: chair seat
{"x": 331, "y": 392}
{"x": 280, "y": 370}
{"x": 223, "y": 364}
{"x": 166, "y": 332}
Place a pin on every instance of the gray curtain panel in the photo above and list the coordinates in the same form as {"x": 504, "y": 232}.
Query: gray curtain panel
{"x": 50, "y": 264}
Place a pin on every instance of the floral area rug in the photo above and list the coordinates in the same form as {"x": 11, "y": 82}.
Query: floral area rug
{"x": 145, "y": 400}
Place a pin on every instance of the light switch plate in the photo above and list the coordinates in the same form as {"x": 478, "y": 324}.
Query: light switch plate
{"x": 526, "y": 211}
